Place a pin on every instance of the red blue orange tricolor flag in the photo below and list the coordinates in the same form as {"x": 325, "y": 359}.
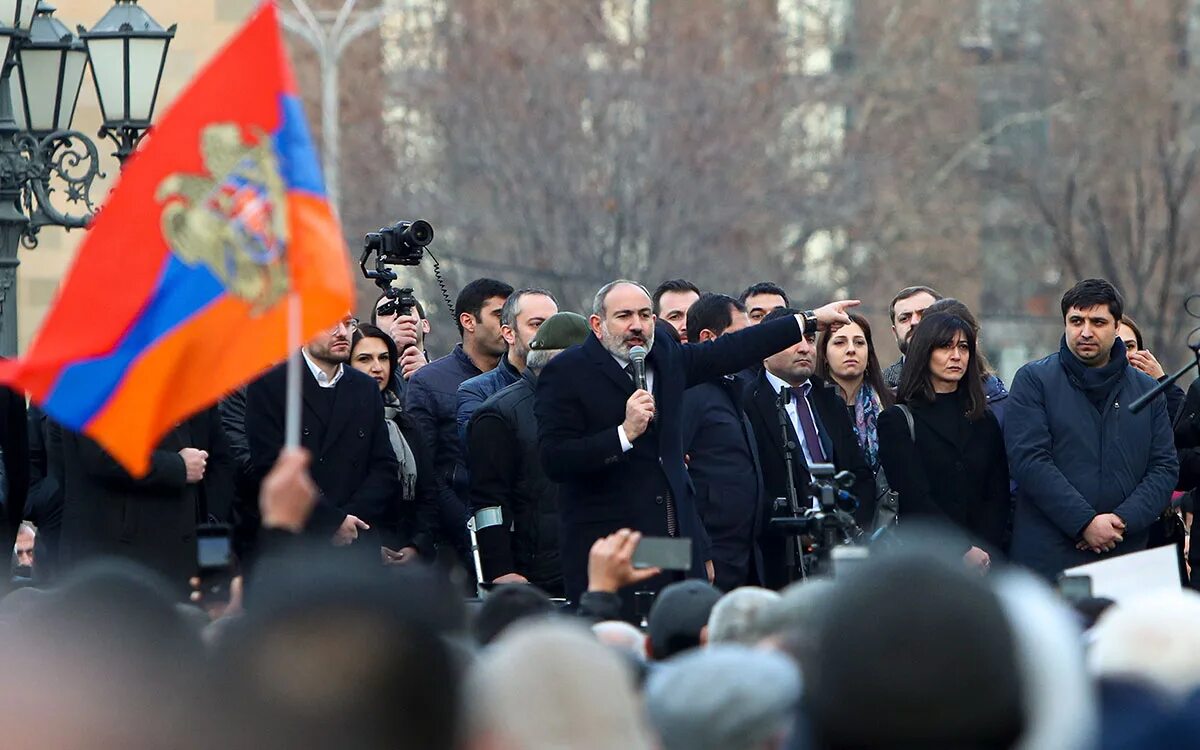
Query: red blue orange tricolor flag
{"x": 179, "y": 292}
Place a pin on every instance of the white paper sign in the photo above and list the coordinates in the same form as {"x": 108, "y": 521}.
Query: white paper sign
{"x": 1132, "y": 575}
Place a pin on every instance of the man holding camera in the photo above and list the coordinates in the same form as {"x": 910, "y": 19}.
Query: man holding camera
{"x": 618, "y": 449}
{"x": 408, "y": 330}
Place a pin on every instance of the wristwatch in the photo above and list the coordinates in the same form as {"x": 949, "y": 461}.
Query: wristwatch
{"x": 810, "y": 322}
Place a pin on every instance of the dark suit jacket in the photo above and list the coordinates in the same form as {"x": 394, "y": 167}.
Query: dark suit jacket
{"x": 352, "y": 461}
{"x": 580, "y": 403}
{"x": 838, "y": 441}
{"x": 955, "y": 473}
{"x": 723, "y": 465}
{"x": 151, "y": 520}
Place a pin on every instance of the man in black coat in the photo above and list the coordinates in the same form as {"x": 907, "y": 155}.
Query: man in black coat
{"x": 819, "y": 427}
{"x": 342, "y": 427}
{"x": 518, "y": 544}
{"x": 722, "y": 453}
{"x": 151, "y": 520}
{"x": 618, "y": 450}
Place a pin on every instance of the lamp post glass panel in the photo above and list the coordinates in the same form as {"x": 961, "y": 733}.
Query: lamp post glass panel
{"x": 40, "y": 156}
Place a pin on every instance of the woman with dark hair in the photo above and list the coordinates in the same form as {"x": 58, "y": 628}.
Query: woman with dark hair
{"x": 846, "y": 360}
{"x": 993, "y": 387}
{"x": 374, "y": 353}
{"x": 951, "y": 465}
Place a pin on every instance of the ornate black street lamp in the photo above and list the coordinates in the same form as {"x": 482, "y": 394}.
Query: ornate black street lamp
{"x": 46, "y": 168}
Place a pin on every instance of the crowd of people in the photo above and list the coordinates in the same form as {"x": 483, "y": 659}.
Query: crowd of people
{"x": 449, "y": 559}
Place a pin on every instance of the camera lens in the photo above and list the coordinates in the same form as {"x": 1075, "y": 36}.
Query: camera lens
{"x": 419, "y": 233}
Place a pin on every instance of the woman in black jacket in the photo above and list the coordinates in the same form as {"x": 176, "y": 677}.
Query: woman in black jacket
{"x": 374, "y": 352}
{"x": 956, "y": 470}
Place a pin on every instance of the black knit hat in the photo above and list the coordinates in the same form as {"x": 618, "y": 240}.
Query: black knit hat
{"x": 679, "y": 613}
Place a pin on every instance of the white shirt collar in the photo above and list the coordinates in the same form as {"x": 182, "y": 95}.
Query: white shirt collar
{"x": 778, "y": 385}
{"x": 323, "y": 380}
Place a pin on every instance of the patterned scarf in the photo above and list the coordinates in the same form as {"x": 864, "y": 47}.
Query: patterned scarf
{"x": 866, "y": 418}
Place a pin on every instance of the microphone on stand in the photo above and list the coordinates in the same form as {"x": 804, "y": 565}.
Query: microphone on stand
{"x": 637, "y": 356}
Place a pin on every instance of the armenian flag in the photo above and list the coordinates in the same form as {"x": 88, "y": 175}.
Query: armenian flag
{"x": 179, "y": 292}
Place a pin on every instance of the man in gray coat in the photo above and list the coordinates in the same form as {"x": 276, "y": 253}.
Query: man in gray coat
{"x": 1092, "y": 476}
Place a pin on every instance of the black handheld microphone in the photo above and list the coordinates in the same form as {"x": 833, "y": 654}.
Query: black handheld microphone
{"x": 637, "y": 355}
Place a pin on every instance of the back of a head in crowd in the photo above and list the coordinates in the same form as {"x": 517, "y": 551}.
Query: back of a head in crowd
{"x": 725, "y": 697}
{"x": 924, "y": 644}
{"x": 1152, "y": 640}
{"x": 333, "y": 652}
{"x": 475, "y": 295}
{"x": 742, "y": 616}
{"x": 679, "y": 617}
{"x": 546, "y": 685}
{"x": 507, "y": 604}
{"x": 103, "y": 661}
{"x": 790, "y": 625}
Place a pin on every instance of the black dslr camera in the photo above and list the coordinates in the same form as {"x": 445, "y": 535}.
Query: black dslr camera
{"x": 401, "y": 244}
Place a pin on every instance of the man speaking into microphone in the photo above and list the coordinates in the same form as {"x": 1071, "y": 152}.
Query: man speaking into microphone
{"x": 617, "y": 448}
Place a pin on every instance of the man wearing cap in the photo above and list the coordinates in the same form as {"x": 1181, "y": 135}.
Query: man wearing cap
{"x": 724, "y": 697}
{"x": 514, "y": 504}
{"x": 678, "y": 620}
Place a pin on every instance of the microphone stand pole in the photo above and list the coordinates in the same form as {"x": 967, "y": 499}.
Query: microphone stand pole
{"x": 795, "y": 547}
{"x": 1166, "y": 383}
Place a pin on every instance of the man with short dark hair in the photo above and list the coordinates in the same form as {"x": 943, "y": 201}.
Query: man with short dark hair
{"x": 672, "y": 299}
{"x": 818, "y": 427}
{"x": 761, "y": 298}
{"x": 906, "y": 310}
{"x": 409, "y": 332}
{"x": 523, "y": 313}
{"x": 515, "y": 505}
{"x": 722, "y": 456}
{"x": 1091, "y": 475}
{"x": 342, "y": 426}
{"x": 432, "y": 396}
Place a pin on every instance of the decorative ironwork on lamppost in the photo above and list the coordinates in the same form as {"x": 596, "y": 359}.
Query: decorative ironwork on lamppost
{"x": 46, "y": 168}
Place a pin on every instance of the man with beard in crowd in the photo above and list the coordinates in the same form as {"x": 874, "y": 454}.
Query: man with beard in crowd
{"x": 515, "y": 505}
{"x": 342, "y": 427}
{"x": 618, "y": 449}
{"x": 672, "y": 299}
{"x": 906, "y": 310}
{"x": 523, "y": 313}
